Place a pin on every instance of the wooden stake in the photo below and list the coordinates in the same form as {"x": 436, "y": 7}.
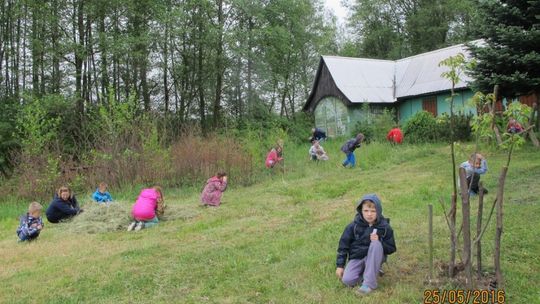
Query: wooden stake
{"x": 478, "y": 231}
{"x": 499, "y": 229}
{"x": 466, "y": 225}
{"x": 430, "y": 232}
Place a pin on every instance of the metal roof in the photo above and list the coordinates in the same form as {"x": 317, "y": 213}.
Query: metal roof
{"x": 384, "y": 81}
{"x": 363, "y": 80}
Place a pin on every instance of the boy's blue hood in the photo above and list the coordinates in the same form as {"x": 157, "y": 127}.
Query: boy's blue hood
{"x": 375, "y": 199}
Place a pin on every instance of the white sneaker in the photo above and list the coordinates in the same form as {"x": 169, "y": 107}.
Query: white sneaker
{"x": 131, "y": 226}
{"x": 139, "y": 226}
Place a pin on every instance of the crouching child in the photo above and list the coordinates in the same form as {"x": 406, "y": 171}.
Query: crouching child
{"x": 30, "y": 224}
{"x": 363, "y": 246}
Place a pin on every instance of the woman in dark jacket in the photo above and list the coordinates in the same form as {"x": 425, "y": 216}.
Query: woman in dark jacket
{"x": 63, "y": 206}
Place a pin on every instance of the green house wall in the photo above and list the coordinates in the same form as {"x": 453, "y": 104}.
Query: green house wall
{"x": 409, "y": 107}
{"x": 337, "y": 119}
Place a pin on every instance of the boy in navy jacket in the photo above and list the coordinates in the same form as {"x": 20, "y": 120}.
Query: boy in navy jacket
{"x": 364, "y": 244}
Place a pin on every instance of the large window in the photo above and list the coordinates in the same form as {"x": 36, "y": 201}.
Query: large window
{"x": 331, "y": 115}
{"x": 429, "y": 104}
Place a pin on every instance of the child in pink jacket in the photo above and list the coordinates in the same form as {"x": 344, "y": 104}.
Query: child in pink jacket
{"x": 274, "y": 157}
{"x": 147, "y": 208}
{"x": 212, "y": 192}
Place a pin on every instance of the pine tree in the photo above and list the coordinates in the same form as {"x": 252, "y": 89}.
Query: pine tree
{"x": 510, "y": 56}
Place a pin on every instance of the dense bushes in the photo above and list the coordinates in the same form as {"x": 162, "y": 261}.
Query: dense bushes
{"x": 374, "y": 126}
{"x": 423, "y": 127}
{"x": 123, "y": 146}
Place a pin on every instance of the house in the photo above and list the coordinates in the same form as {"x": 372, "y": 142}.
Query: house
{"x": 342, "y": 85}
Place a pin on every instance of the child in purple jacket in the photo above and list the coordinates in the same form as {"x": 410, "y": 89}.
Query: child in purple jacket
{"x": 212, "y": 192}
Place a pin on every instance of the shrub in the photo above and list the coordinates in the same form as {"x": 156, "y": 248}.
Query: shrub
{"x": 462, "y": 127}
{"x": 421, "y": 127}
{"x": 375, "y": 127}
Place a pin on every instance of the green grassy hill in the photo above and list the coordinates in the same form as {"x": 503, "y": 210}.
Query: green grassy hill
{"x": 276, "y": 241}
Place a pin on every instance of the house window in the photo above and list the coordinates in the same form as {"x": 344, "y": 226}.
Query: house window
{"x": 429, "y": 104}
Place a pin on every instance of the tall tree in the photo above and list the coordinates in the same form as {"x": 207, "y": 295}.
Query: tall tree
{"x": 509, "y": 56}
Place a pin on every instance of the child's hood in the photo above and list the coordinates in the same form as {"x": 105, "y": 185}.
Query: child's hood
{"x": 375, "y": 199}
{"x": 213, "y": 179}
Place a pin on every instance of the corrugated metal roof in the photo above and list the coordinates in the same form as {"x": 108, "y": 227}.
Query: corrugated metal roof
{"x": 374, "y": 81}
{"x": 421, "y": 74}
{"x": 363, "y": 80}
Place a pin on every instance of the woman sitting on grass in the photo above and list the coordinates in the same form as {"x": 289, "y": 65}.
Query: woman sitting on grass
{"x": 63, "y": 206}
{"x": 148, "y": 207}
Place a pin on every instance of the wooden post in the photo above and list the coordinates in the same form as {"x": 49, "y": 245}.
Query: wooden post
{"x": 430, "y": 232}
{"x": 466, "y": 225}
{"x": 499, "y": 229}
{"x": 478, "y": 231}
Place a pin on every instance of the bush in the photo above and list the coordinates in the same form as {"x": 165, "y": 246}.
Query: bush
{"x": 462, "y": 127}
{"x": 421, "y": 127}
{"x": 375, "y": 127}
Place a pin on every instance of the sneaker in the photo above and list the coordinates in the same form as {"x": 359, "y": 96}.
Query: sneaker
{"x": 139, "y": 226}
{"x": 131, "y": 226}
{"x": 363, "y": 290}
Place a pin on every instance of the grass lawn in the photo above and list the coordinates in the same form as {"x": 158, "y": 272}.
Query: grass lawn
{"x": 276, "y": 241}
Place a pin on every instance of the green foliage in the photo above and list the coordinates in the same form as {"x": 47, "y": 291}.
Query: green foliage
{"x": 458, "y": 129}
{"x": 509, "y": 55}
{"x": 421, "y": 127}
{"x": 375, "y": 127}
{"x": 521, "y": 113}
{"x": 395, "y": 29}
{"x": 9, "y": 141}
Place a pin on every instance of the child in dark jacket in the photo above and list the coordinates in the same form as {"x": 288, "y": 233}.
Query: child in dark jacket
{"x": 364, "y": 244}
{"x": 349, "y": 147}
{"x": 30, "y": 224}
{"x": 63, "y": 206}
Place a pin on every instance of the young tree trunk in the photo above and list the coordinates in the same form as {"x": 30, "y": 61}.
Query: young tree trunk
{"x": 55, "y": 37}
{"x": 430, "y": 240}
{"x": 466, "y": 225}
{"x": 219, "y": 65}
{"x": 494, "y": 126}
{"x": 453, "y": 236}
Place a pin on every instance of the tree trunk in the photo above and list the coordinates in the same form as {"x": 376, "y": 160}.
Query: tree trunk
{"x": 453, "y": 236}
{"x": 466, "y": 225}
{"x": 79, "y": 56}
{"x": 103, "y": 56}
{"x": 494, "y": 126}
{"x": 55, "y": 37}
{"x": 219, "y": 65}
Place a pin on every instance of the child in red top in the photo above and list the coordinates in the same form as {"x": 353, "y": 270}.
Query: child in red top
{"x": 395, "y": 136}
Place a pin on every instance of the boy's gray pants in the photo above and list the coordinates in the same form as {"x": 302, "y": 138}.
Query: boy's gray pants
{"x": 367, "y": 267}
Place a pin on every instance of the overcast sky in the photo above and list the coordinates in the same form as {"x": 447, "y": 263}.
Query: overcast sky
{"x": 339, "y": 10}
